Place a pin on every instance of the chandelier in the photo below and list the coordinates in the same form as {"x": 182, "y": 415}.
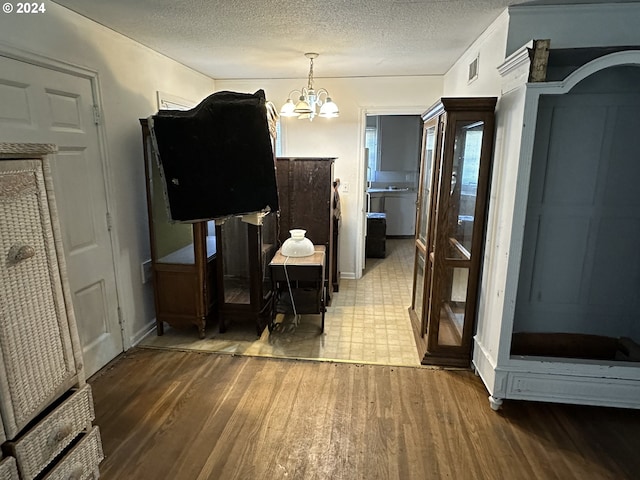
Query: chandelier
{"x": 309, "y": 100}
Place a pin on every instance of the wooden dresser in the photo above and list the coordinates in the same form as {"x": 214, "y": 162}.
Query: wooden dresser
{"x": 46, "y": 406}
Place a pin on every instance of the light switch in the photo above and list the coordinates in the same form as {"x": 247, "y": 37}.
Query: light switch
{"x": 145, "y": 269}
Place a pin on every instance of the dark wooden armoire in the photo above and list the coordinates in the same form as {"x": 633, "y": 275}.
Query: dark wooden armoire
{"x": 305, "y": 188}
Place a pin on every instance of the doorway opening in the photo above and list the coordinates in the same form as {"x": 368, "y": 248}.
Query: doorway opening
{"x": 391, "y": 166}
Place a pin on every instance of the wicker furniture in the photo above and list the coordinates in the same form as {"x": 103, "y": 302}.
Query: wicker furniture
{"x": 8, "y": 469}
{"x": 46, "y": 406}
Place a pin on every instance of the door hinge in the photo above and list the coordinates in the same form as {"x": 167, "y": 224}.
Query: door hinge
{"x": 97, "y": 115}
{"x": 109, "y": 222}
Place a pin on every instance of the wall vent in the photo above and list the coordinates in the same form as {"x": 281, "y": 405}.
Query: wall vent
{"x": 473, "y": 70}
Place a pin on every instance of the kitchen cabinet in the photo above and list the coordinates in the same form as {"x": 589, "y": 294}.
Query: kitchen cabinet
{"x": 46, "y": 406}
{"x": 399, "y": 142}
{"x": 401, "y": 214}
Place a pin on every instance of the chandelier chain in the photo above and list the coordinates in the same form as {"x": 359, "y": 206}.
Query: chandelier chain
{"x": 310, "y": 85}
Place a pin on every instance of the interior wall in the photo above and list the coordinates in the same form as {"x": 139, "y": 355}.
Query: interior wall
{"x": 489, "y": 48}
{"x": 572, "y": 26}
{"x": 343, "y": 137}
{"x": 129, "y": 76}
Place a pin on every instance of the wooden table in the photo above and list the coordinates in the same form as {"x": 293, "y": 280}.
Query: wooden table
{"x": 300, "y": 277}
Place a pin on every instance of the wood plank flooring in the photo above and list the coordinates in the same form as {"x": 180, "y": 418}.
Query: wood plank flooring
{"x": 186, "y": 415}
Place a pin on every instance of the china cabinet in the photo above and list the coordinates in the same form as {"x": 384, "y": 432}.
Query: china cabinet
{"x": 183, "y": 257}
{"x": 451, "y": 211}
{"x": 246, "y": 245}
{"x": 305, "y": 187}
{"x": 46, "y": 406}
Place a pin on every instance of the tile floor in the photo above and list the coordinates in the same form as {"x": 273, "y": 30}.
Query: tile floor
{"x": 367, "y": 322}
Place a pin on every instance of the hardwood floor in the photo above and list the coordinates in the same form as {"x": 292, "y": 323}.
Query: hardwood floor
{"x": 186, "y": 415}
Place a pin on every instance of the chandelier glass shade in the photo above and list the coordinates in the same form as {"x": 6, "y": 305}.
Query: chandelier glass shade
{"x": 309, "y": 101}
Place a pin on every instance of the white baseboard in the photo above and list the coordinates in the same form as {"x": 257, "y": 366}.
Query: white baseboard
{"x": 143, "y": 332}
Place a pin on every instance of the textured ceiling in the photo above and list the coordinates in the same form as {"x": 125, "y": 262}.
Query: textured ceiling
{"x": 268, "y": 38}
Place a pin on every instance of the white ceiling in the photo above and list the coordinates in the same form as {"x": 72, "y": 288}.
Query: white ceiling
{"x": 227, "y": 39}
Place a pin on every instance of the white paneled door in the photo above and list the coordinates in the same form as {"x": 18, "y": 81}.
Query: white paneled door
{"x": 44, "y": 105}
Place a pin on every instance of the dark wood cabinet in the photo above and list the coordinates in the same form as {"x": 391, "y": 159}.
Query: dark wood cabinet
{"x": 298, "y": 285}
{"x": 183, "y": 257}
{"x": 451, "y": 216}
{"x": 246, "y": 245}
{"x": 305, "y": 188}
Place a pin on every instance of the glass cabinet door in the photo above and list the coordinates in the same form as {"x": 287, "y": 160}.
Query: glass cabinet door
{"x": 173, "y": 242}
{"x": 428, "y": 173}
{"x": 454, "y": 245}
{"x": 236, "y": 269}
{"x": 183, "y": 256}
{"x": 425, "y": 182}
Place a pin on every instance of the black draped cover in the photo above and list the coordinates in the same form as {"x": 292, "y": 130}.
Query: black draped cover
{"x": 217, "y": 158}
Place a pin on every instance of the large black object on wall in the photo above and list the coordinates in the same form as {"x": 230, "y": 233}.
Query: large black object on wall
{"x": 217, "y": 158}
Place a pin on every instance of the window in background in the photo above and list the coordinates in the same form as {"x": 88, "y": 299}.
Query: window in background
{"x": 278, "y": 139}
{"x": 371, "y": 144}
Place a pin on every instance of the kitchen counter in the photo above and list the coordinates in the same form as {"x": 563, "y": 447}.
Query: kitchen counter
{"x": 373, "y": 191}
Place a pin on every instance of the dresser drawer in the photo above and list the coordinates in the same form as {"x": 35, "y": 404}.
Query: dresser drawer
{"x": 8, "y": 470}
{"x": 40, "y": 445}
{"x": 82, "y": 461}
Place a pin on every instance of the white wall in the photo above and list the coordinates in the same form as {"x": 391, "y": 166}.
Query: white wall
{"x": 573, "y": 26}
{"x": 129, "y": 76}
{"x": 490, "y": 49}
{"x": 343, "y": 137}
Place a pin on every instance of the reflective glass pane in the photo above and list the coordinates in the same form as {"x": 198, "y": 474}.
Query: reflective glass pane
{"x": 211, "y": 238}
{"x": 429, "y": 145}
{"x": 452, "y": 304}
{"x": 464, "y": 188}
{"x": 235, "y": 261}
{"x": 269, "y": 231}
{"x": 173, "y": 241}
{"x": 419, "y": 285}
